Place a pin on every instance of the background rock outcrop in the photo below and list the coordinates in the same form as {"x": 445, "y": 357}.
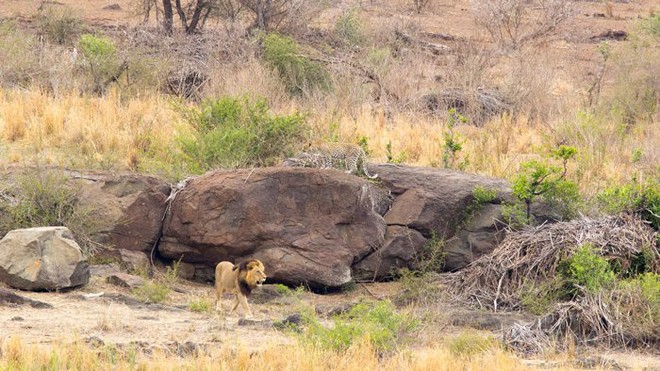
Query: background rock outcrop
{"x": 45, "y": 258}
{"x": 308, "y": 225}
{"x": 432, "y": 203}
{"x": 325, "y": 227}
{"x": 127, "y": 209}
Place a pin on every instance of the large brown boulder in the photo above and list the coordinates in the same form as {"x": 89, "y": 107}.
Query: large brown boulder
{"x": 126, "y": 209}
{"x": 45, "y": 258}
{"x": 432, "y": 203}
{"x": 307, "y": 225}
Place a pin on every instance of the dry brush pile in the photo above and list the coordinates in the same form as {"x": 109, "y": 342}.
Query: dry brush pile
{"x": 531, "y": 265}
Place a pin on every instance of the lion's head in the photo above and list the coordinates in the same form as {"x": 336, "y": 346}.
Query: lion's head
{"x": 251, "y": 273}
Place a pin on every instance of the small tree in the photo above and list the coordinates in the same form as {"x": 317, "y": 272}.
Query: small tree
{"x": 538, "y": 178}
{"x": 452, "y": 141}
{"x": 278, "y": 14}
{"x": 513, "y": 22}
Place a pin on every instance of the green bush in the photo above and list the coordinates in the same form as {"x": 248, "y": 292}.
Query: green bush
{"x": 471, "y": 343}
{"x": 201, "y": 305}
{"x": 376, "y": 321}
{"x": 537, "y": 178}
{"x": 651, "y": 25}
{"x": 100, "y": 53}
{"x": 152, "y": 292}
{"x": 586, "y": 270}
{"x": 20, "y": 57}
{"x": 635, "y": 197}
{"x": 298, "y": 72}
{"x": 639, "y": 299}
{"x": 45, "y": 198}
{"x": 348, "y": 27}
{"x": 236, "y": 132}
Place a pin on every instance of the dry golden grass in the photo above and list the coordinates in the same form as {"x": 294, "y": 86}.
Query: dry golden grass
{"x": 140, "y": 133}
{"x": 76, "y": 355}
{"x": 83, "y": 131}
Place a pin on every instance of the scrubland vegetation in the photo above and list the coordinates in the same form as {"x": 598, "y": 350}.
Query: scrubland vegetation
{"x": 512, "y": 97}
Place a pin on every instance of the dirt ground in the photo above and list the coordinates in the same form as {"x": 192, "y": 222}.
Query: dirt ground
{"x": 105, "y": 314}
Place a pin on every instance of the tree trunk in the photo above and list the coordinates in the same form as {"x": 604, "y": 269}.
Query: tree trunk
{"x": 194, "y": 21}
{"x": 168, "y": 16}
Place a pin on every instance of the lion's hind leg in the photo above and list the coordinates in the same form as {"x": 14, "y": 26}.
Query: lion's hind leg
{"x": 236, "y": 302}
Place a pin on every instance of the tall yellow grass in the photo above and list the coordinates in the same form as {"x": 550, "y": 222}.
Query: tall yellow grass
{"x": 139, "y": 134}
{"x": 83, "y": 131}
{"x": 76, "y": 355}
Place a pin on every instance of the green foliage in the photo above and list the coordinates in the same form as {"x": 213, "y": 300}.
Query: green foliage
{"x": 363, "y": 142}
{"x": 541, "y": 297}
{"x": 586, "y": 270}
{"x": 100, "y": 54}
{"x": 452, "y": 141}
{"x": 201, "y": 305}
{"x": 635, "y": 197}
{"x": 96, "y": 48}
{"x": 537, "y": 178}
{"x": 152, "y": 292}
{"x": 639, "y": 299}
{"x": 431, "y": 258}
{"x": 349, "y": 27}
{"x": 481, "y": 195}
{"x": 394, "y": 159}
{"x": 298, "y": 72}
{"x": 376, "y": 321}
{"x": 471, "y": 343}
{"x": 45, "y": 198}
{"x": 416, "y": 288}
{"x": 59, "y": 24}
{"x": 651, "y": 25}
{"x": 19, "y": 58}
{"x": 236, "y": 132}
{"x": 515, "y": 215}
{"x": 282, "y": 289}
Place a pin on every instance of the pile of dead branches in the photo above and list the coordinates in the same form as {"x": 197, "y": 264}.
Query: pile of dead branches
{"x": 621, "y": 316}
{"x": 531, "y": 256}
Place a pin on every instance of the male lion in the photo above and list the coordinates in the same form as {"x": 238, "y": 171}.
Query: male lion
{"x": 240, "y": 280}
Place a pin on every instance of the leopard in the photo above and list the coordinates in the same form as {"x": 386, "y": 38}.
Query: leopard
{"x": 333, "y": 155}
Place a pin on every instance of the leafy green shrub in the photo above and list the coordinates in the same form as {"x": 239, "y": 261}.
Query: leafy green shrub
{"x": 539, "y": 298}
{"x": 100, "y": 53}
{"x": 282, "y": 289}
{"x": 651, "y": 25}
{"x": 639, "y": 299}
{"x": 20, "y": 57}
{"x": 541, "y": 179}
{"x": 348, "y": 27}
{"x": 152, "y": 292}
{"x": 636, "y": 197}
{"x": 376, "y": 321}
{"x": 586, "y": 270}
{"x": 298, "y": 72}
{"x": 236, "y": 132}
{"x": 59, "y": 24}
{"x": 481, "y": 195}
{"x": 471, "y": 343}
{"x": 45, "y": 198}
{"x": 452, "y": 141}
{"x": 201, "y": 305}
